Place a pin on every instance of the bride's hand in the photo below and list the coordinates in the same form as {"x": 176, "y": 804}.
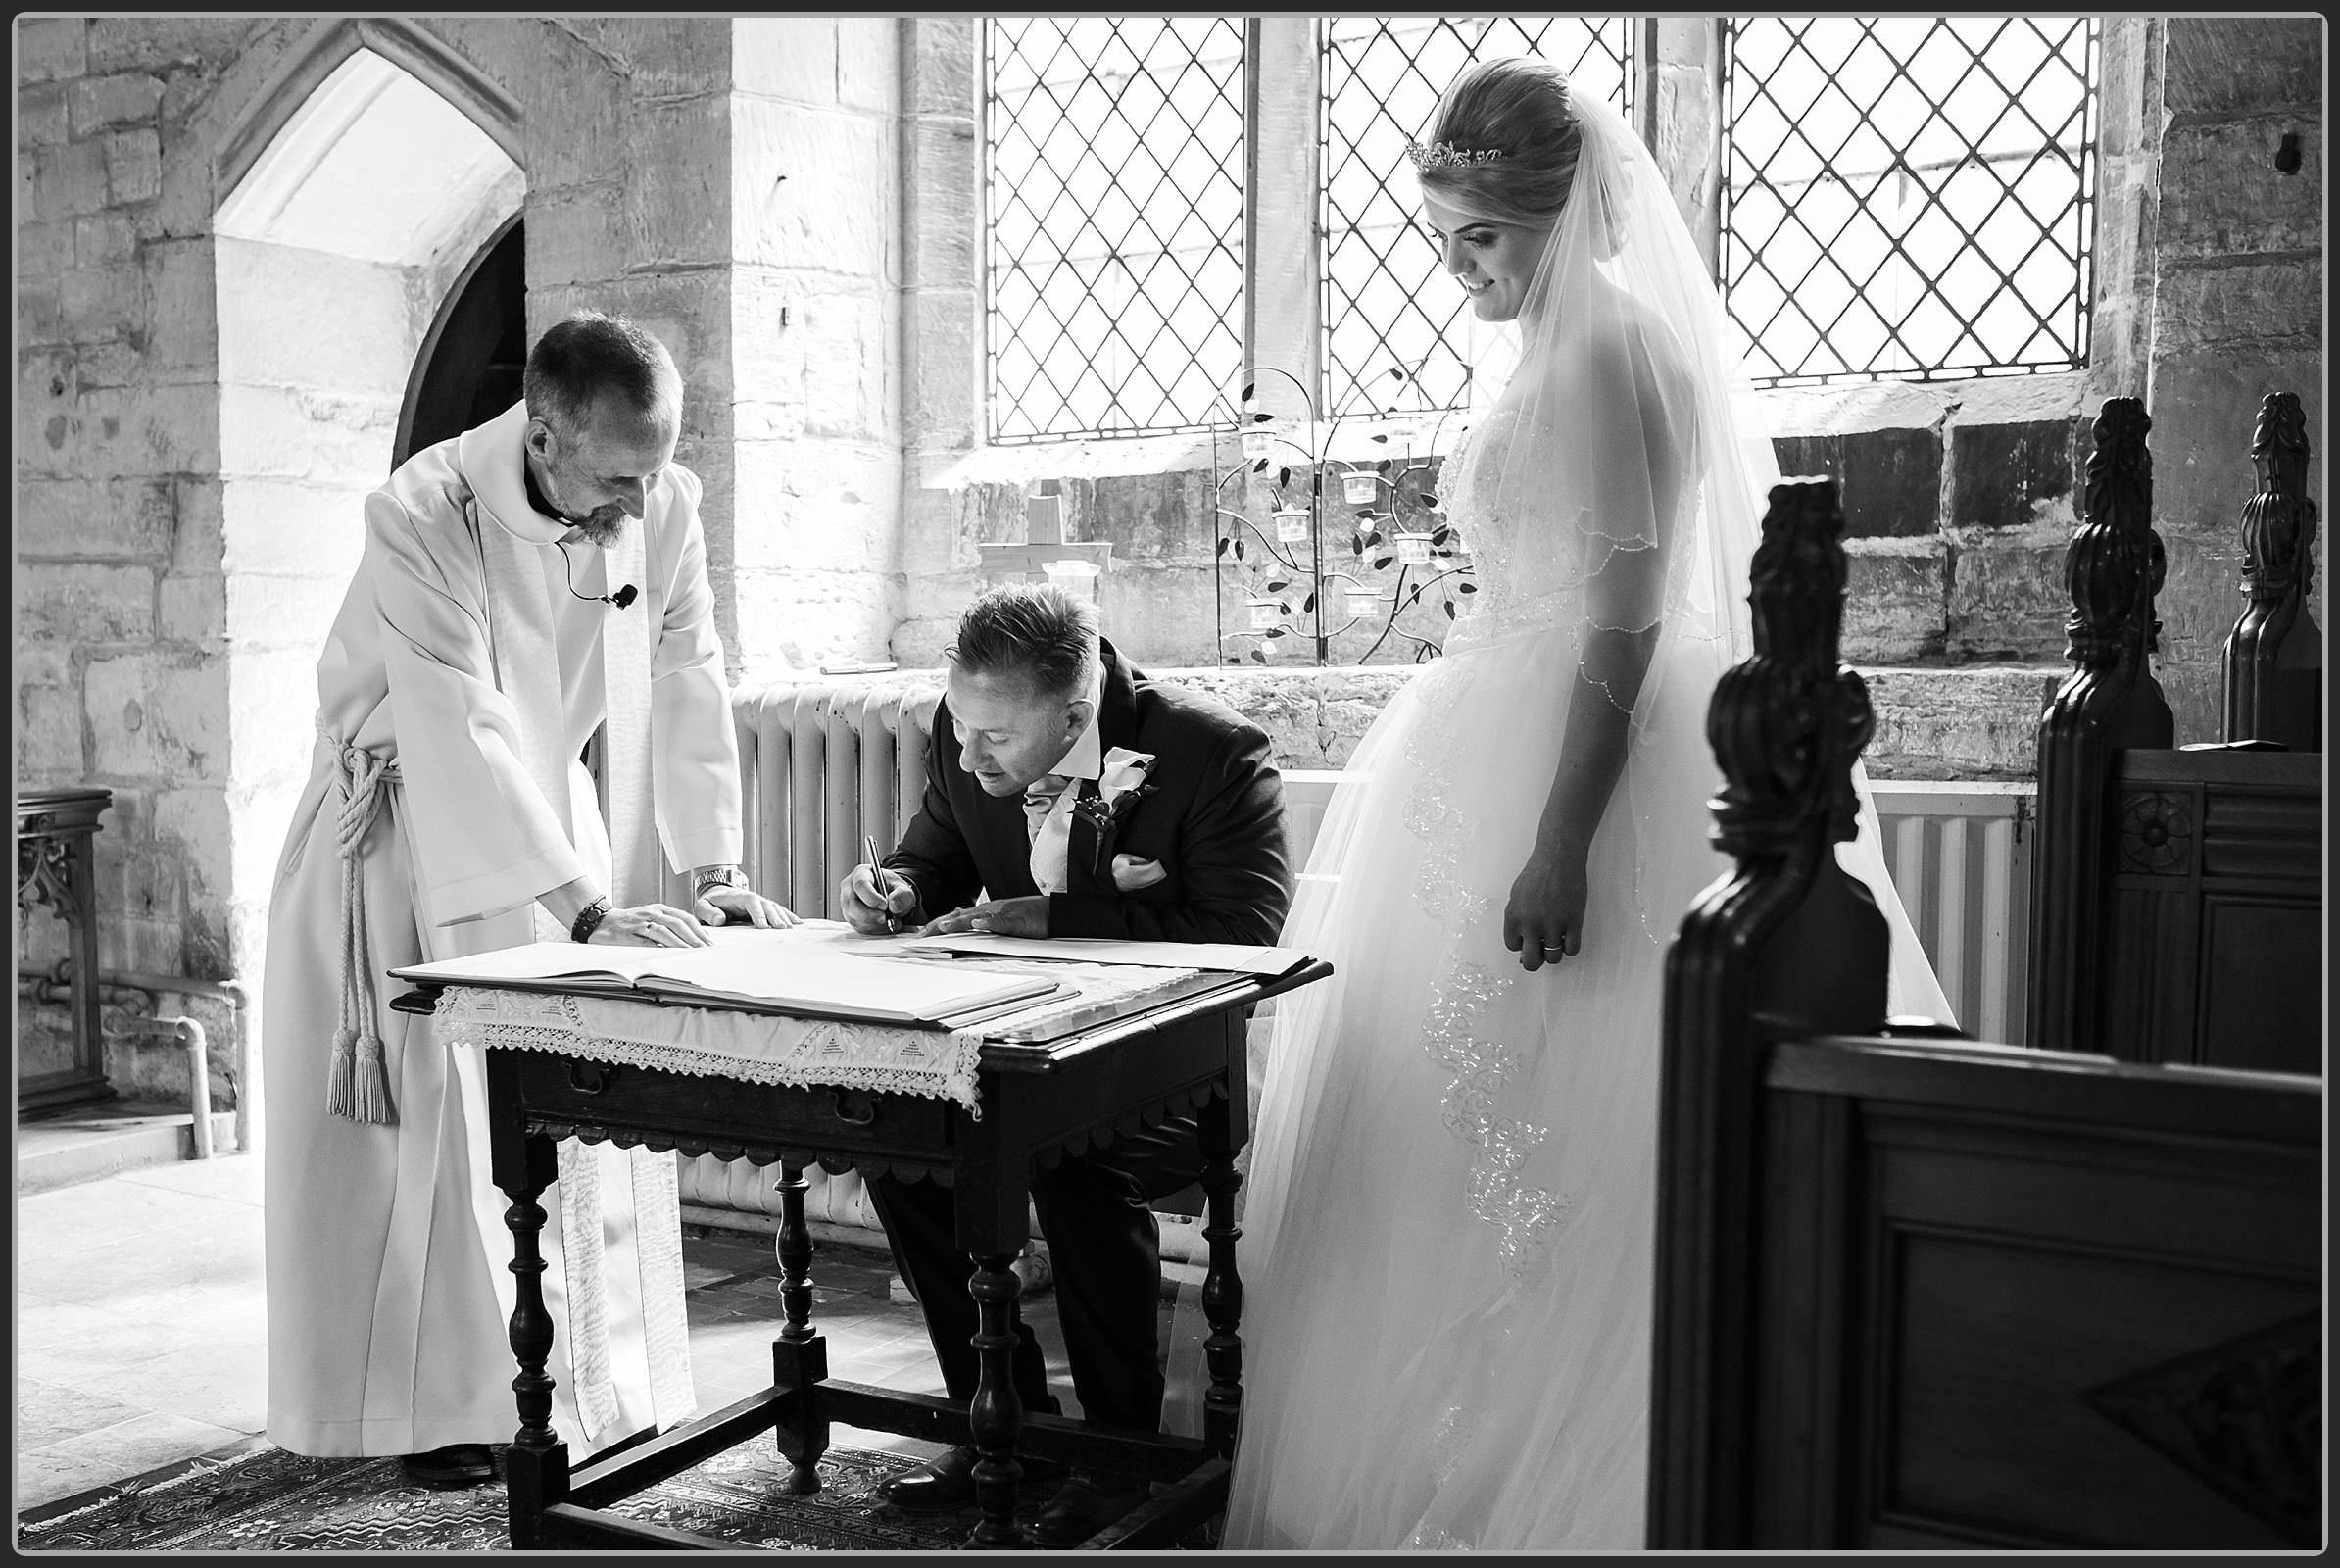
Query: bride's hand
{"x": 1545, "y": 917}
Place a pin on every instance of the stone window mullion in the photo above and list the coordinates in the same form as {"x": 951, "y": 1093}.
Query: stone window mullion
{"x": 1283, "y": 169}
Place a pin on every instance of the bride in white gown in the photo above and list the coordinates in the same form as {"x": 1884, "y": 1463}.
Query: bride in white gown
{"x": 1451, "y": 1228}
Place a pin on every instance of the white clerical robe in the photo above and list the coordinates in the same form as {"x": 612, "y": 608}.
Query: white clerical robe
{"x": 388, "y": 1291}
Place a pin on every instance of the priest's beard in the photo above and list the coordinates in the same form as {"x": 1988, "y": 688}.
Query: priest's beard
{"x": 601, "y": 526}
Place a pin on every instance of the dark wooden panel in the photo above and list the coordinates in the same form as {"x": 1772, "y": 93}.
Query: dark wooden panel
{"x": 1976, "y": 1268}
{"x": 2263, "y": 991}
{"x": 2263, "y": 838}
{"x": 1997, "y": 1344}
{"x": 2219, "y": 1203}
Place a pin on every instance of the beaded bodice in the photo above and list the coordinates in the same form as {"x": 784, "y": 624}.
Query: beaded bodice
{"x": 1529, "y": 573}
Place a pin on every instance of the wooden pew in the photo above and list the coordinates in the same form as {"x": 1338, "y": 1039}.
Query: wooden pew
{"x": 1926, "y": 1293}
{"x": 2176, "y": 896}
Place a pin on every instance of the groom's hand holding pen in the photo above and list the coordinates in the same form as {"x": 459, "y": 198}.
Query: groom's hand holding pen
{"x": 875, "y": 898}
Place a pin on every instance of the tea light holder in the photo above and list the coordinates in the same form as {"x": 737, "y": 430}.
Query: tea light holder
{"x": 1360, "y": 489}
{"x": 1401, "y": 430}
{"x": 1259, "y": 440}
{"x": 1363, "y": 604}
{"x": 1291, "y": 524}
{"x": 1413, "y": 549}
{"x": 1266, "y": 613}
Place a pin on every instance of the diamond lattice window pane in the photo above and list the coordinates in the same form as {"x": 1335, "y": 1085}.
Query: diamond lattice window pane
{"x": 1114, "y": 221}
{"x": 1385, "y": 302}
{"x": 1966, "y": 143}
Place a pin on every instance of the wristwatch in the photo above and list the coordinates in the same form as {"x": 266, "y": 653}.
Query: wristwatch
{"x": 707, "y": 880}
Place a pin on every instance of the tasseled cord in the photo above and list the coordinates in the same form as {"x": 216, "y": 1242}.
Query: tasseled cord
{"x": 358, "y": 1088}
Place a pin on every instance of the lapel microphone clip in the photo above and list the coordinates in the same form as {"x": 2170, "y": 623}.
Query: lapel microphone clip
{"x": 620, "y": 598}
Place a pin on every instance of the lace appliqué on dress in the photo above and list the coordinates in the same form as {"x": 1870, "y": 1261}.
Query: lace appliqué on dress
{"x": 1450, "y": 1438}
{"x": 1523, "y": 1216}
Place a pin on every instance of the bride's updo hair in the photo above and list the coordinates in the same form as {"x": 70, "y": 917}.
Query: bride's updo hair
{"x": 1518, "y": 108}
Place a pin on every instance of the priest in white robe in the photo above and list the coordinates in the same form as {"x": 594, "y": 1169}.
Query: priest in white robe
{"x": 521, "y": 583}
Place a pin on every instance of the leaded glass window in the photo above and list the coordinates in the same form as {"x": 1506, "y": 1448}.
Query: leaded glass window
{"x": 1908, "y": 196}
{"x": 1113, "y": 204}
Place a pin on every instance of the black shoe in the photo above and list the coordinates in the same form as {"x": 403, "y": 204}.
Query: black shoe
{"x": 1086, "y": 1504}
{"x": 946, "y": 1482}
{"x": 458, "y": 1464}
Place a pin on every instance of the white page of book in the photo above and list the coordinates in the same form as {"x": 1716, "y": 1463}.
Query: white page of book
{"x": 828, "y": 969}
{"x": 1230, "y": 955}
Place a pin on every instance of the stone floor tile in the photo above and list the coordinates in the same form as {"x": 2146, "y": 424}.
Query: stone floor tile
{"x": 225, "y": 1385}
{"x": 50, "y": 1413}
{"x": 113, "y": 1454}
{"x": 231, "y": 1178}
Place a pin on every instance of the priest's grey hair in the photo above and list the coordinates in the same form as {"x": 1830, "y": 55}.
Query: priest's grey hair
{"x": 592, "y": 356}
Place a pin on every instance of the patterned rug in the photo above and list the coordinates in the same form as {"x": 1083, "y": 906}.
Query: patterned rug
{"x": 257, "y": 1498}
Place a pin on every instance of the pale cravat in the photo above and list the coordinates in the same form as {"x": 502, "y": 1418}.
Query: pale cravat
{"x": 1048, "y": 823}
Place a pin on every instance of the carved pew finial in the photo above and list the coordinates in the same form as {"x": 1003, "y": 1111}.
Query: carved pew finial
{"x": 2115, "y": 564}
{"x": 2273, "y": 682}
{"x": 1786, "y": 724}
{"x": 2109, "y": 701}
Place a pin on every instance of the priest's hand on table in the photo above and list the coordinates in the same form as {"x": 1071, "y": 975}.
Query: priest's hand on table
{"x": 722, "y": 897}
{"x": 1007, "y": 917}
{"x": 742, "y": 907}
{"x": 647, "y": 925}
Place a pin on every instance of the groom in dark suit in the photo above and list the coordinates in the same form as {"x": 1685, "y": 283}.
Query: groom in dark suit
{"x": 1077, "y": 799}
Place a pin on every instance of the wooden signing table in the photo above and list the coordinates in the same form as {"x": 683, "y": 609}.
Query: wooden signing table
{"x": 56, "y": 861}
{"x": 1045, "y": 1092}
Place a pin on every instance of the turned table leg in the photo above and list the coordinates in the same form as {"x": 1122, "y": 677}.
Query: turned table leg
{"x": 799, "y": 1356}
{"x": 536, "y": 1469}
{"x": 996, "y": 1414}
{"x": 1222, "y": 1286}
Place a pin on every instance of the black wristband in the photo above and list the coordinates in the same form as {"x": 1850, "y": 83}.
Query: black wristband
{"x": 588, "y": 920}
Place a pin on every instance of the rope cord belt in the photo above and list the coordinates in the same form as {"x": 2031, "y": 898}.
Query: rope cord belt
{"x": 358, "y": 1088}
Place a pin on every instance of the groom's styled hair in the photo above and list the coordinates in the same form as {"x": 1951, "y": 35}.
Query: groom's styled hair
{"x": 1040, "y": 633}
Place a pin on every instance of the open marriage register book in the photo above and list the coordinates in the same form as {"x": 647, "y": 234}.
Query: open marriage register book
{"x": 816, "y": 970}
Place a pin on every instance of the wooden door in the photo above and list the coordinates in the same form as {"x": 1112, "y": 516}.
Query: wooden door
{"x": 470, "y": 368}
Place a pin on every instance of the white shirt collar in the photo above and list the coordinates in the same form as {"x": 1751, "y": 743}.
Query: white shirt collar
{"x": 1086, "y": 757}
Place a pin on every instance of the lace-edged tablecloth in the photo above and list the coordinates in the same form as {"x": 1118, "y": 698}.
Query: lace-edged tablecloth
{"x": 771, "y": 1048}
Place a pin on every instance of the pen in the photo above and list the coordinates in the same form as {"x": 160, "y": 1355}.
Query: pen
{"x": 877, "y": 876}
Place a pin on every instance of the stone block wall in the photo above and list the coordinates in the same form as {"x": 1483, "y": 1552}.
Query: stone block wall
{"x": 119, "y": 592}
{"x": 2237, "y": 311}
{"x": 817, "y": 277}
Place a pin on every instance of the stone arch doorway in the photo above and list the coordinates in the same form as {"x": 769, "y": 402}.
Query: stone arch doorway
{"x": 470, "y": 368}
{"x": 346, "y": 233}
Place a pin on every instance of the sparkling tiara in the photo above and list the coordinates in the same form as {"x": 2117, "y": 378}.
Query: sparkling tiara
{"x": 1446, "y": 155}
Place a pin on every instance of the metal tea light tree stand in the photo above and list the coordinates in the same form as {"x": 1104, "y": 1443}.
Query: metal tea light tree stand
{"x": 1377, "y": 539}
